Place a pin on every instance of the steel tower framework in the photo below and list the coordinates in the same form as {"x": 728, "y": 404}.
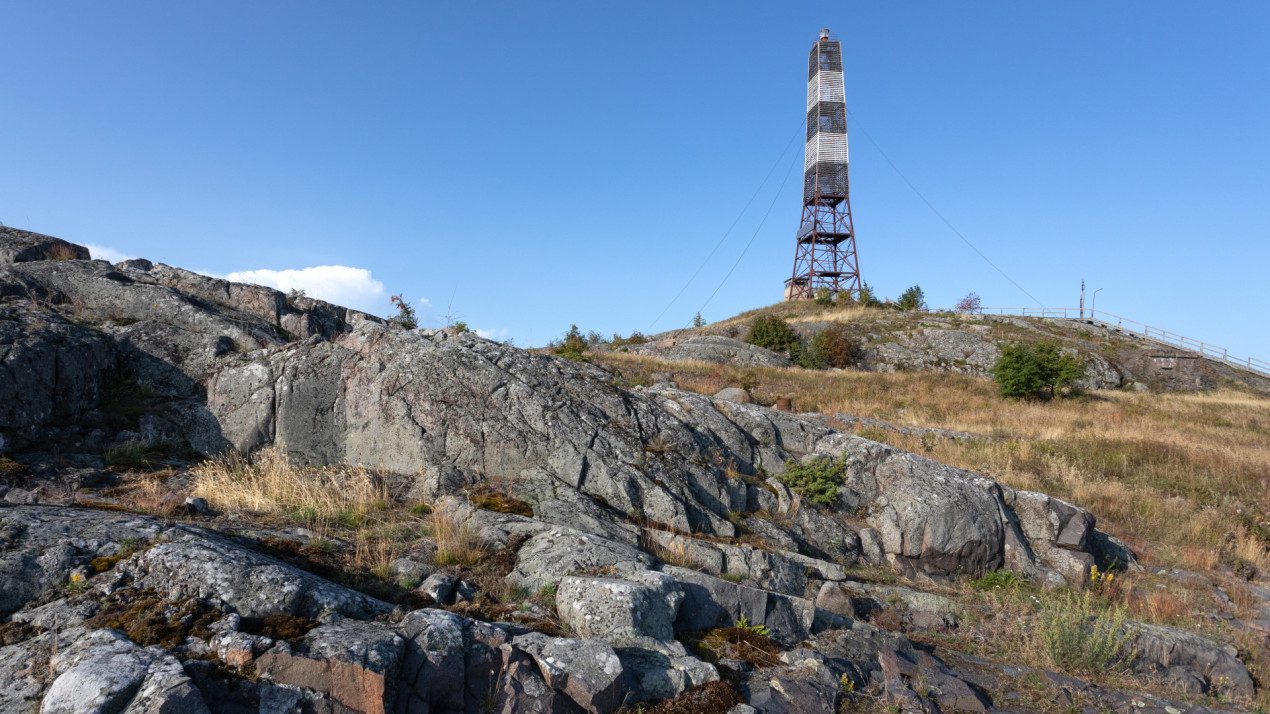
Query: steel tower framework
{"x": 825, "y": 256}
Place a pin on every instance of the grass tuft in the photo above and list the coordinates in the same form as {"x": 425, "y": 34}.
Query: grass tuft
{"x": 456, "y": 544}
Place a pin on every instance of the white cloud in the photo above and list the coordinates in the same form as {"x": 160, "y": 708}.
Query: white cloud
{"x": 339, "y": 284}
{"x": 101, "y": 252}
{"x": 497, "y": 334}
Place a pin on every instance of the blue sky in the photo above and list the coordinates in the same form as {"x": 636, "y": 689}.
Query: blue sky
{"x": 530, "y": 165}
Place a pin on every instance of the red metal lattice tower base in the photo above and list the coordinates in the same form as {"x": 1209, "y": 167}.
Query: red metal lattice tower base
{"x": 825, "y": 255}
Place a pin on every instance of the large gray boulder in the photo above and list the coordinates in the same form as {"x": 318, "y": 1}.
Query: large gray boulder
{"x": 662, "y": 670}
{"x": 354, "y": 663}
{"x": 40, "y": 546}
{"x": 1159, "y": 647}
{"x": 435, "y": 659}
{"x": 900, "y": 348}
{"x": 521, "y": 689}
{"x": 548, "y": 557}
{"x": 936, "y": 518}
{"x": 587, "y": 670}
{"x": 197, "y": 564}
{"x": 711, "y": 602}
{"x": 102, "y": 672}
{"x": 619, "y": 611}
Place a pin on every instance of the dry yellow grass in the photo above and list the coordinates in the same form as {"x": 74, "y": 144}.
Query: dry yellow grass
{"x": 270, "y": 482}
{"x": 808, "y": 311}
{"x": 1185, "y": 476}
{"x": 456, "y": 544}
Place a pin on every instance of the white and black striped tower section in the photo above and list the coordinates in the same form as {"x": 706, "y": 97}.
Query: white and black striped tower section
{"x": 825, "y": 255}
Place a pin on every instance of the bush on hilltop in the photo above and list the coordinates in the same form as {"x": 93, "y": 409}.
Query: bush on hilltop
{"x": 772, "y": 333}
{"x": 1039, "y": 371}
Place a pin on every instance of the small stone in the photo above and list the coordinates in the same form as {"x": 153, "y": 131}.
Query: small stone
{"x": 439, "y": 587}
{"x": 197, "y": 504}
{"x": 228, "y": 623}
{"x": 464, "y": 591}
{"x": 411, "y": 568}
{"x": 733, "y": 394}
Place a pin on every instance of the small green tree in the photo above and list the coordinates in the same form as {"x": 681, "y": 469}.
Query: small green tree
{"x": 698, "y": 321}
{"x": 824, "y": 297}
{"x": 868, "y": 298}
{"x": 1038, "y": 371}
{"x": 572, "y": 346}
{"x": 804, "y": 354}
{"x": 405, "y": 317}
{"x": 844, "y": 299}
{"x": 772, "y": 333}
{"x": 913, "y": 299}
{"x": 460, "y": 327}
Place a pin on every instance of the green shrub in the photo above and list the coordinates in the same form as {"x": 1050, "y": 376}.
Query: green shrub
{"x": 867, "y": 297}
{"x": 405, "y": 317}
{"x": 1038, "y": 371}
{"x": 11, "y": 469}
{"x": 1003, "y": 579}
{"x": 834, "y": 347}
{"x": 1082, "y": 640}
{"x": 804, "y": 355}
{"x": 824, "y": 297}
{"x": 572, "y": 346}
{"x": 816, "y": 480}
{"x": 773, "y": 333}
{"x": 844, "y": 298}
{"x": 133, "y": 455}
{"x": 913, "y": 299}
{"x": 636, "y": 338}
{"x": 460, "y": 327}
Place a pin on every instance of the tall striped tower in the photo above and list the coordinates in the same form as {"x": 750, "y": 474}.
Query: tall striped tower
{"x": 825, "y": 253}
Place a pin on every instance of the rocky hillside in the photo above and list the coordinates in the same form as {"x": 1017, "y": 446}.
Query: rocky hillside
{"x": 433, "y": 522}
{"x": 888, "y": 340}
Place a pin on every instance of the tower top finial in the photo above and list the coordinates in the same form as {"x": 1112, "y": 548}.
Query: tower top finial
{"x": 824, "y": 34}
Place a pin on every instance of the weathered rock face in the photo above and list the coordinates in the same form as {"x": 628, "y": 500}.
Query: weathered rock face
{"x": 198, "y": 564}
{"x": 464, "y": 409}
{"x": 354, "y": 663}
{"x": 550, "y": 556}
{"x": 39, "y": 547}
{"x": 51, "y": 369}
{"x": 102, "y": 671}
{"x": 714, "y": 349}
{"x": 18, "y": 246}
{"x": 589, "y": 671}
{"x": 964, "y": 352}
{"x": 1163, "y": 648}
